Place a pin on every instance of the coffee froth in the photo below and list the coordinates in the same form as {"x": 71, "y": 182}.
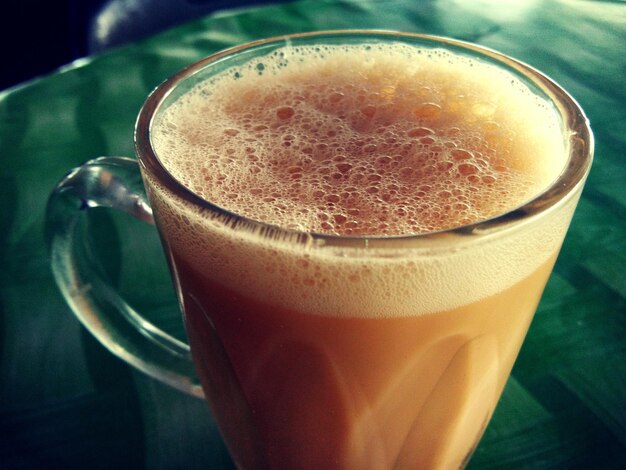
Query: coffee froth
{"x": 381, "y": 139}
{"x": 362, "y": 140}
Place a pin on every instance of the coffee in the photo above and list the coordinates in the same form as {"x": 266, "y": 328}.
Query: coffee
{"x": 316, "y": 355}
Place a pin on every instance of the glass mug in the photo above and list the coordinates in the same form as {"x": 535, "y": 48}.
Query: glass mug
{"x": 318, "y": 350}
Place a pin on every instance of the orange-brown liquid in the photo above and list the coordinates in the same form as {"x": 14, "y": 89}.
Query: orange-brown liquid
{"x": 294, "y": 390}
{"x": 320, "y": 357}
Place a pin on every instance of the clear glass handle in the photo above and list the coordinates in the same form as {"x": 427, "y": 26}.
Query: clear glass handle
{"x": 113, "y": 182}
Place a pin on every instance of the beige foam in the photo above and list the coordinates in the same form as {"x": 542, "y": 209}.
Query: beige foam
{"x": 381, "y": 139}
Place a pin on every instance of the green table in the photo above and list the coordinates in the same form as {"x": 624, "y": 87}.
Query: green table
{"x": 67, "y": 402}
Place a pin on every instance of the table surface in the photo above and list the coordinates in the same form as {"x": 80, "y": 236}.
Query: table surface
{"x": 65, "y": 401}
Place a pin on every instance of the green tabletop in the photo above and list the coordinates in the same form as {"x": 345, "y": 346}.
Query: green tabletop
{"x": 66, "y": 402}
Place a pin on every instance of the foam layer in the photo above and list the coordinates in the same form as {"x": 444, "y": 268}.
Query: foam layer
{"x": 373, "y": 139}
{"x": 361, "y": 141}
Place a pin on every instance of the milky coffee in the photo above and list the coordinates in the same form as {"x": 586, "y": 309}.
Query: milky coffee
{"x": 329, "y": 357}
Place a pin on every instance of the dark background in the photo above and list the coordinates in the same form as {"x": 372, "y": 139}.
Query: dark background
{"x": 39, "y": 36}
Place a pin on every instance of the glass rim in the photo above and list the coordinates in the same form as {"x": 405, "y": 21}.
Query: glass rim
{"x": 570, "y": 179}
